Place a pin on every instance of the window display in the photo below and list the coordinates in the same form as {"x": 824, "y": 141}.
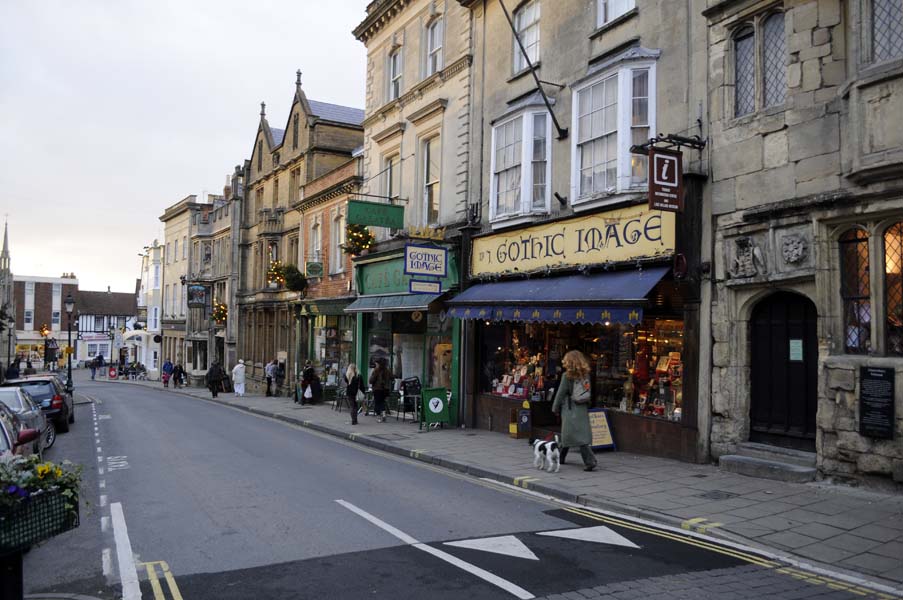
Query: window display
{"x": 333, "y": 346}
{"x": 635, "y": 368}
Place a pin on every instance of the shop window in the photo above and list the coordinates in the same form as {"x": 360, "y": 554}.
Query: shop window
{"x": 431, "y": 155}
{"x": 609, "y": 10}
{"x": 887, "y": 29}
{"x": 434, "y": 33}
{"x": 92, "y": 350}
{"x": 520, "y": 172}
{"x": 526, "y": 23}
{"x": 893, "y": 288}
{"x": 607, "y": 127}
{"x": 854, "y": 291}
{"x": 394, "y": 74}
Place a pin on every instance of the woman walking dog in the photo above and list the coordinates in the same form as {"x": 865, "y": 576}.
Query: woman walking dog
{"x": 572, "y": 402}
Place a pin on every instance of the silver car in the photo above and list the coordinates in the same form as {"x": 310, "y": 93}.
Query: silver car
{"x": 19, "y": 401}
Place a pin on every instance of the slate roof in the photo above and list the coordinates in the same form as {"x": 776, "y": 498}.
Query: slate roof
{"x": 278, "y": 135}
{"x": 337, "y": 112}
{"x": 106, "y": 303}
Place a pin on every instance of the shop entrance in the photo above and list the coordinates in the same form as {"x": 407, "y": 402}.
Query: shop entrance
{"x": 783, "y": 373}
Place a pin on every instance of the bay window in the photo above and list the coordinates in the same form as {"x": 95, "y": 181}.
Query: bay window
{"x": 612, "y": 112}
{"x": 520, "y": 171}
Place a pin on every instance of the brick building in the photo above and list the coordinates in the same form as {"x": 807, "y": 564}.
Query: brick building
{"x": 39, "y": 302}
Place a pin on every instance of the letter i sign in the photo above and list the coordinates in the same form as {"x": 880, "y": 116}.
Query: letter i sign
{"x": 665, "y": 180}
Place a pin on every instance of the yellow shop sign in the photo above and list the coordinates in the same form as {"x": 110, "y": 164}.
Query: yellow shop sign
{"x": 619, "y": 235}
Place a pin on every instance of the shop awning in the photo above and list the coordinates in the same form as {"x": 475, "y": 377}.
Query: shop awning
{"x": 616, "y": 297}
{"x": 392, "y": 303}
{"x": 324, "y": 307}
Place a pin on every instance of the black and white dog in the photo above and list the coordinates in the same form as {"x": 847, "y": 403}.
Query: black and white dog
{"x": 547, "y": 455}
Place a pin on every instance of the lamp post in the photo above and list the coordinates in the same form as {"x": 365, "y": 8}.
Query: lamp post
{"x": 11, "y": 324}
{"x": 69, "y": 303}
{"x": 112, "y": 335}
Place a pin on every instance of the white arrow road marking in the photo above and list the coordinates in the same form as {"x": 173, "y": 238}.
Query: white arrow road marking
{"x": 483, "y": 574}
{"x": 599, "y": 534}
{"x": 504, "y": 544}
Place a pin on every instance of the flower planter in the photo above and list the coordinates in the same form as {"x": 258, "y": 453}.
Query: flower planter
{"x": 42, "y": 516}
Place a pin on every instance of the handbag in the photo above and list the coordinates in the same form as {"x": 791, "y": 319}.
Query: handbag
{"x": 580, "y": 392}
{"x": 307, "y": 393}
{"x": 360, "y": 397}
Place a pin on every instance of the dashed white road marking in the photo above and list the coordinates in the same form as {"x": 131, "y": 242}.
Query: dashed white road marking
{"x": 483, "y": 574}
{"x": 103, "y": 500}
{"x": 100, "y": 470}
{"x": 102, "y": 483}
{"x": 104, "y": 524}
{"x": 128, "y": 573}
{"x": 106, "y": 559}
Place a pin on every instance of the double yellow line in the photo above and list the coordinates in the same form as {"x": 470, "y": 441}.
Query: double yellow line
{"x": 167, "y": 575}
{"x": 834, "y": 584}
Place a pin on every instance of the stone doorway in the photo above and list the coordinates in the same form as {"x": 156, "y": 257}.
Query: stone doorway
{"x": 784, "y": 371}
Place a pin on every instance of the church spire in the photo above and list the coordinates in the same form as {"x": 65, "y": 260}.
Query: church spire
{"x": 4, "y": 256}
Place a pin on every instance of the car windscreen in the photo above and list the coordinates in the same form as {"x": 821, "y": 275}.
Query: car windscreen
{"x": 11, "y": 398}
{"x": 39, "y": 390}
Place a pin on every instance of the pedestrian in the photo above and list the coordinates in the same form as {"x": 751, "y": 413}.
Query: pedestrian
{"x": 238, "y": 378}
{"x": 379, "y": 382}
{"x": 12, "y": 371}
{"x": 270, "y": 372}
{"x": 353, "y": 385}
{"x": 166, "y": 371}
{"x": 214, "y": 378}
{"x": 178, "y": 373}
{"x": 93, "y": 368}
{"x": 572, "y": 402}
{"x": 280, "y": 377}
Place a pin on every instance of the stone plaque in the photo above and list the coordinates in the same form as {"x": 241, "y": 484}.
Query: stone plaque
{"x": 876, "y": 402}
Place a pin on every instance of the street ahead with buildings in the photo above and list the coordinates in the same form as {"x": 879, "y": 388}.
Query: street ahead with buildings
{"x": 702, "y": 199}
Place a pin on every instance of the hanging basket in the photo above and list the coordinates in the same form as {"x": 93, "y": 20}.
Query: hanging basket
{"x": 41, "y": 517}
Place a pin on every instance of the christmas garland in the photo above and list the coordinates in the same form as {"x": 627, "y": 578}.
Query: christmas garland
{"x": 220, "y": 312}
{"x": 275, "y": 273}
{"x": 357, "y": 239}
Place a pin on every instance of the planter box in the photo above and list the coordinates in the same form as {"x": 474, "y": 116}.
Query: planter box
{"x": 40, "y": 518}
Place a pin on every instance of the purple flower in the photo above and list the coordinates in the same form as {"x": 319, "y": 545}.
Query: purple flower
{"x": 12, "y": 489}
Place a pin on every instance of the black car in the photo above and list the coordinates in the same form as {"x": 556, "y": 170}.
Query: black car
{"x": 47, "y": 391}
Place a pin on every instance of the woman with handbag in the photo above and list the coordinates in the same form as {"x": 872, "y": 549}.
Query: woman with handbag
{"x": 572, "y": 402}
{"x": 353, "y": 390}
{"x": 379, "y": 381}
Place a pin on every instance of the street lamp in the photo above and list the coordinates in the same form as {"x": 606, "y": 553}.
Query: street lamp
{"x": 11, "y": 324}
{"x": 69, "y": 303}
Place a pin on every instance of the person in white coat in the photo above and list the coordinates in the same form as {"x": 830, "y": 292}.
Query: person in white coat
{"x": 238, "y": 378}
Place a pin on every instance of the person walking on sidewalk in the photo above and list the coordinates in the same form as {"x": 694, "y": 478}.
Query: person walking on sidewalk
{"x": 178, "y": 375}
{"x": 214, "y": 378}
{"x": 379, "y": 381}
{"x": 238, "y": 378}
{"x": 270, "y": 372}
{"x": 166, "y": 371}
{"x": 353, "y": 385}
{"x": 280, "y": 378}
{"x": 572, "y": 402}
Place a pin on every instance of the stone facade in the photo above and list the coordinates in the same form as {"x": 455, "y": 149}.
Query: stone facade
{"x": 318, "y": 138}
{"x": 802, "y": 153}
{"x": 176, "y": 232}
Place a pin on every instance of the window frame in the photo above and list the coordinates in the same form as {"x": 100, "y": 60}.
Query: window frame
{"x": 27, "y": 319}
{"x": 755, "y": 27}
{"x": 527, "y": 128}
{"x": 434, "y": 51}
{"x": 624, "y": 72}
{"x": 518, "y": 62}
{"x": 394, "y": 79}
{"x": 337, "y": 239}
{"x": 602, "y": 5}
{"x": 868, "y": 33}
{"x": 316, "y": 241}
{"x": 431, "y": 187}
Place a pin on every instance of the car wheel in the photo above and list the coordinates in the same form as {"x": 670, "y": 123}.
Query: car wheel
{"x": 72, "y": 414}
{"x": 50, "y": 435}
{"x": 63, "y": 425}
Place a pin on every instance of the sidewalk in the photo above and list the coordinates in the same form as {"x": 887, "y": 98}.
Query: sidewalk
{"x": 844, "y": 528}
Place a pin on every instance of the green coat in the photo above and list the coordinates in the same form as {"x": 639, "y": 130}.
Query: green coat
{"x": 575, "y": 429}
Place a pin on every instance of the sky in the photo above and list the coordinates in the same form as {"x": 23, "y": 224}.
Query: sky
{"x": 113, "y": 110}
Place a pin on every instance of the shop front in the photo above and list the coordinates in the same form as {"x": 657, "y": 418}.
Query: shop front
{"x": 327, "y": 335}
{"x": 604, "y": 285}
{"x": 411, "y": 332}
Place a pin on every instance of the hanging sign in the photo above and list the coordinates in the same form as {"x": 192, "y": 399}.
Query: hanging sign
{"x": 376, "y": 214}
{"x": 876, "y": 402}
{"x": 601, "y": 428}
{"x": 197, "y": 296}
{"x": 665, "y": 180}
{"x": 313, "y": 269}
{"x": 425, "y": 260}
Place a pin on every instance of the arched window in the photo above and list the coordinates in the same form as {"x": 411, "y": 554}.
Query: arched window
{"x": 744, "y": 72}
{"x": 854, "y": 291}
{"x": 893, "y": 288}
{"x": 774, "y": 60}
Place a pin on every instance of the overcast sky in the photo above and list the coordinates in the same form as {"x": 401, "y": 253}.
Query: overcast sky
{"x": 112, "y": 110}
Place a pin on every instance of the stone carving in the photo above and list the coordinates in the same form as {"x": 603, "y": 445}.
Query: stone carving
{"x": 748, "y": 259}
{"x": 794, "y": 248}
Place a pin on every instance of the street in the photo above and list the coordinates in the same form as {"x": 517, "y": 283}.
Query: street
{"x": 183, "y": 498}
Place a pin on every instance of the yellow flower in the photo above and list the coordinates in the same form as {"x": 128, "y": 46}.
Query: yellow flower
{"x": 42, "y": 470}
{"x": 58, "y": 472}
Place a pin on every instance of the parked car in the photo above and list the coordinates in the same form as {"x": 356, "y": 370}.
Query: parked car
{"x": 55, "y": 401}
{"x": 14, "y": 437}
{"x": 19, "y": 401}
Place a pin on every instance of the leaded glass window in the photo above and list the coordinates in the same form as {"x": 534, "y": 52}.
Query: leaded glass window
{"x": 774, "y": 62}
{"x": 854, "y": 291}
{"x": 887, "y": 29}
{"x": 744, "y": 73}
{"x": 893, "y": 288}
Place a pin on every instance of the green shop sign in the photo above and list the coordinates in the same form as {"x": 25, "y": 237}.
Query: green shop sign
{"x": 375, "y": 213}
{"x": 388, "y": 277}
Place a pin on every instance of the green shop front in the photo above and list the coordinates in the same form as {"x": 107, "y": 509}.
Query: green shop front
{"x": 411, "y": 331}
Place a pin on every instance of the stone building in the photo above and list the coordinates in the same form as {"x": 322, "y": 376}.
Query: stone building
{"x": 318, "y": 137}
{"x": 416, "y": 154}
{"x": 556, "y": 191}
{"x": 176, "y": 232}
{"x": 326, "y": 333}
{"x": 806, "y": 101}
